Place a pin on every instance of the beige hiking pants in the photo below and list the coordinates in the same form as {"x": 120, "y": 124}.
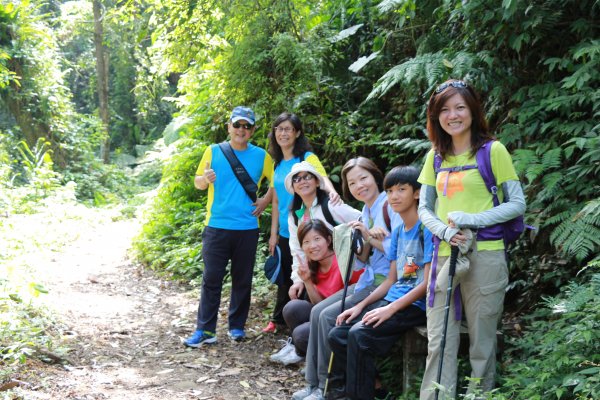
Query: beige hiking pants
{"x": 482, "y": 291}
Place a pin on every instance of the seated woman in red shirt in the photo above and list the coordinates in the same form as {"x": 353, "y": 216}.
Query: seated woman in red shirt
{"x": 321, "y": 277}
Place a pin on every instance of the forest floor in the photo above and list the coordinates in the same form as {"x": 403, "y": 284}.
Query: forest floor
{"x": 119, "y": 328}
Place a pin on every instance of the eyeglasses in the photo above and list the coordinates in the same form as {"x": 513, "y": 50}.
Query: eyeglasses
{"x": 287, "y": 129}
{"x": 454, "y": 84}
{"x": 298, "y": 178}
{"x": 247, "y": 127}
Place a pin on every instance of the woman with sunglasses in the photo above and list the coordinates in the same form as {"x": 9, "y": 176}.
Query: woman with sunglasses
{"x": 310, "y": 202}
{"x": 362, "y": 180}
{"x": 287, "y": 146}
{"x": 457, "y": 129}
{"x": 321, "y": 278}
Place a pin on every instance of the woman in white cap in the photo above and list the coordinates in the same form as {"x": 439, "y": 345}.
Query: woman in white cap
{"x": 287, "y": 146}
{"x": 310, "y": 201}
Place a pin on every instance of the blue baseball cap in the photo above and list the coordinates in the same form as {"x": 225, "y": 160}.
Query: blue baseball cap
{"x": 244, "y": 113}
{"x": 272, "y": 267}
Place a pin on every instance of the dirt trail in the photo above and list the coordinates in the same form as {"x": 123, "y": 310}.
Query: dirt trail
{"x": 123, "y": 326}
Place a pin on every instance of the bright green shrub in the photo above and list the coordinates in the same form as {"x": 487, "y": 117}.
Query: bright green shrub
{"x": 170, "y": 239}
{"x": 558, "y": 355}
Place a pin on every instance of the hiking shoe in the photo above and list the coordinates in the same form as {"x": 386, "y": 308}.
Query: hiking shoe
{"x": 236, "y": 334}
{"x": 284, "y": 350}
{"x": 317, "y": 394}
{"x": 270, "y": 328}
{"x": 200, "y": 338}
{"x": 303, "y": 393}
{"x": 291, "y": 357}
{"x": 336, "y": 393}
{"x": 383, "y": 394}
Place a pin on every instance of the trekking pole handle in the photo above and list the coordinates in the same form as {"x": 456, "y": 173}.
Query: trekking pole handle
{"x": 453, "y": 258}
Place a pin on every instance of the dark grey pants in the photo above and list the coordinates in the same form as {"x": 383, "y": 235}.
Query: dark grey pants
{"x": 356, "y": 346}
{"x": 297, "y": 315}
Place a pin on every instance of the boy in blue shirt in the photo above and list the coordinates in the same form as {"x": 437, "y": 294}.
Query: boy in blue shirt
{"x": 400, "y": 299}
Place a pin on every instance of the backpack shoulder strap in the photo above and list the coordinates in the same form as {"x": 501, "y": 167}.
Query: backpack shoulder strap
{"x": 484, "y": 165}
{"x": 437, "y": 162}
{"x": 327, "y": 212}
{"x": 422, "y": 236}
{"x": 239, "y": 171}
{"x": 386, "y": 216}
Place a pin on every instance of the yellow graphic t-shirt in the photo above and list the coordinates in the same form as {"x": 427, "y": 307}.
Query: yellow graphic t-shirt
{"x": 465, "y": 190}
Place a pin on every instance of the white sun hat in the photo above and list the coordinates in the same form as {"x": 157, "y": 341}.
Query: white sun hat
{"x": 302, "y": 167}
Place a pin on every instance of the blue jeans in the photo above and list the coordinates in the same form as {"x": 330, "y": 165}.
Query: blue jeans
{"x": 218, "y": 247}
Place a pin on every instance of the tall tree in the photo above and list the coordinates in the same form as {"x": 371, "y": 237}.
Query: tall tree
{"x": 102, "y": 77}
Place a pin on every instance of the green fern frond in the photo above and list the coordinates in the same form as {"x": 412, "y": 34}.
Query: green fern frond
{"x": 550, "y": 181}
{"x": 588, "y": 49}
{"x": 415, "y": 146}
{"x": 430, "y": 69}
{"x": 578, "y": 236}
{"x": 551, "y": 159}
{"x": 591, "y": 212}
{"x": 533, "y": 171}
{"x": 427, "y": 68}
{"x": 558, "y": 218}
{"x": 523, "y": 158}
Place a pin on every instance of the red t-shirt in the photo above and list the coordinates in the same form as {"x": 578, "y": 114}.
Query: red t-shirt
{"x": 330, "y": 282}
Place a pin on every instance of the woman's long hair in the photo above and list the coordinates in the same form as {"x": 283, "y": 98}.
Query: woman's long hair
{"x": 442, "y": 142}
{"x": 318, "y": 226}
{"x": 301, "y": 145}
{"x": 366, "y": 164}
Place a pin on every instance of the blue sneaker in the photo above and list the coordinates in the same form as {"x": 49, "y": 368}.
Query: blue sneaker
{"x": 200, "y": 338}
{"x": 236, "y": 334}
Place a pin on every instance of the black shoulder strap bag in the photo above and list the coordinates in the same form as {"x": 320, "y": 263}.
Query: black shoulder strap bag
{"x": 240, "y": 172}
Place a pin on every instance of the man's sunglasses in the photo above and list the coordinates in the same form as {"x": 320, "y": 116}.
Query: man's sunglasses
{"x": 237, "y": 125}
{"x": 454, "y": 84}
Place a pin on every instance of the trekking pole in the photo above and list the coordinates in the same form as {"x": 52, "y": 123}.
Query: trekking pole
{"x": 451, "y": 272}
{"x": 355, "y": 244}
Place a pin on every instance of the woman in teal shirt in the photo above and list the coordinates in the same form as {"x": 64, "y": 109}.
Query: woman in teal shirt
{"x": 287, "y": 146}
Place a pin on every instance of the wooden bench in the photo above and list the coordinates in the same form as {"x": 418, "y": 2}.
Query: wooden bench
{"x": 414, "y": 352}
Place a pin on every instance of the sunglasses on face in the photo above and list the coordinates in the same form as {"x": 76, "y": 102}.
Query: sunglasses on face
{"x": 237, "y": 125}
{"x": 455, "y": 84}
{"x": 298, "y": 178}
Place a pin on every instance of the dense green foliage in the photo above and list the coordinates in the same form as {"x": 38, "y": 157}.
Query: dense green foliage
{"x": 169, "y": 240}
{"x": 48, "y": 92}
{"x": 359, "y": 73}
{"x": 558, "y": 356}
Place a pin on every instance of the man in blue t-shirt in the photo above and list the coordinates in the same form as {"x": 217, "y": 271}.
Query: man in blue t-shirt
{"x": 399, "y": 300}
{"x": 231, "y": 231}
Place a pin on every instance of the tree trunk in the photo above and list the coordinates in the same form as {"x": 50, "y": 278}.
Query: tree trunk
{"x": 102, "y": 73}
